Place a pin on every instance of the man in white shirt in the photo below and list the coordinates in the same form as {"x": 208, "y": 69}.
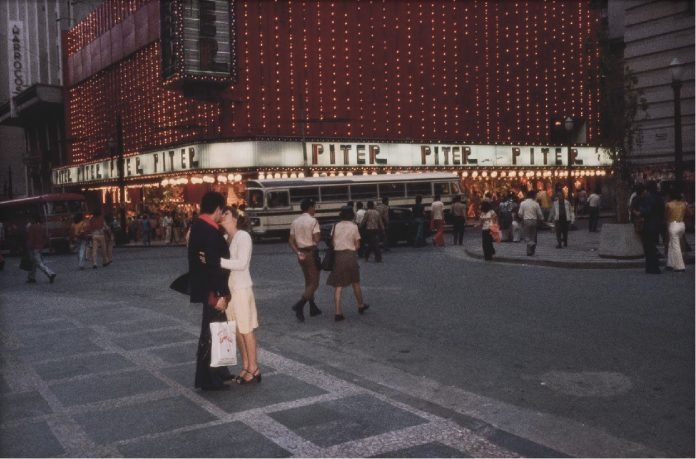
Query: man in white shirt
{"x": 305, "y": 234}
{"x": 593, "y": 204}
{"x": 437, "y": 216}
{"x": 531, "y": 215}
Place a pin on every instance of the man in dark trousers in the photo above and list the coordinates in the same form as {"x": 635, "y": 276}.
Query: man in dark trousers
{"x": 652, "y": 209}
{"x": 208, "y": 282}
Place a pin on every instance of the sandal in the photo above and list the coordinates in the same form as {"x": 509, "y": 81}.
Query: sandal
{"x": 255, "y": 377}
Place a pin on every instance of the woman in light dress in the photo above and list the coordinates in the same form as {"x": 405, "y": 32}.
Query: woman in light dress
{"x": 242, "y": 305}
{"x": 675, "y": 210}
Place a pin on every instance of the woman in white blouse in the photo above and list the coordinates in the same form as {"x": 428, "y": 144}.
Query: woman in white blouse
{"x": 242, "y": 305}
{"x": 345, "y": 272}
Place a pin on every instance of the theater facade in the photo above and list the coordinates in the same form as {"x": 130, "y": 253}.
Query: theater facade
{"x": 166, "y": 99}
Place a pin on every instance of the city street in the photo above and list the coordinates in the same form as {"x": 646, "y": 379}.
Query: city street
{"x": 456, "y": 357}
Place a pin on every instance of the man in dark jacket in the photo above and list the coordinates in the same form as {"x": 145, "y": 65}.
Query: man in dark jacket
{"x": 208, "y": 284}
{"x": 652, "y": 209}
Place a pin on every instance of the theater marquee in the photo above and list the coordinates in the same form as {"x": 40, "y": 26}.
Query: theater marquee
{"x": 259, "y": 155}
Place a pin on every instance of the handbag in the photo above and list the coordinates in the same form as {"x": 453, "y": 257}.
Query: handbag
{"x": 181, "y": 284}
{"x": 223, "y": 345}
{"x": 25, "y": 263}
{"x": 495, "y": 232}
{"x": 327, "y": 263}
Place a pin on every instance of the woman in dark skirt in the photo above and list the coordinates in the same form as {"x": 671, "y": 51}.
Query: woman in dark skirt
{"x": 346, "y": 242}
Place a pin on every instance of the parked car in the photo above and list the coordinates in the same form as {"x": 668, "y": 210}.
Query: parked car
{"x": 402, "y": 226}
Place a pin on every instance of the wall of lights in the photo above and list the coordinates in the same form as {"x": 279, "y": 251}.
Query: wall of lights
{"x": 484, "y": 72}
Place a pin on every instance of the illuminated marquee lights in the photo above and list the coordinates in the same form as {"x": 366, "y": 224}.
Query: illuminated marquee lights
{"x": 406, "y": 71}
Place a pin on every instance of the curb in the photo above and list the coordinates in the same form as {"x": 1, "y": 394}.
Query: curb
{"x": 689, "y": 260}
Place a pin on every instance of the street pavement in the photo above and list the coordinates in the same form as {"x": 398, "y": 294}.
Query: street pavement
{"x": 457, "y": 357}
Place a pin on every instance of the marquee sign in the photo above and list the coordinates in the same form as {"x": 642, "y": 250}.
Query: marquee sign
{"x": 329, "y": 155}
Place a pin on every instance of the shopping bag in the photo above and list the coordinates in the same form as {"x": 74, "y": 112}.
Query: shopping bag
{"x": 223, "y": 345}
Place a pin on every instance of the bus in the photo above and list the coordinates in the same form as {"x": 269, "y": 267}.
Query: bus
{"x": 56, "y": 212}
{"x": 273, "y": 204}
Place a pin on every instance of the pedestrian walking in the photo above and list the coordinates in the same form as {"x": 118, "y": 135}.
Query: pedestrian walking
{"x": 383, "y": 210}
{"x": 437, "y": 221}
{"x": 168, "y": 224}
{"x": 346, "y": 241}
{"x": 208, "y": 285}
{"x": 675, "y": 210}
{"x": 562, "y": 216}
{"x": 242, "y": 305}
{"x": 373, "y": 226}
{"x": 652, "y": 210}
{"x": 593, "y": 202}
{"x": 37, "y": 241}
{"x": 531, "y": 215}
{"x": 487, "y": 218}
{"x": 80, "y": 235}
{"x": 97, "y": 228}
{"x": 418, "y": 211}
{"x": 305, "y": 234}
{"x": 459, "y": 220}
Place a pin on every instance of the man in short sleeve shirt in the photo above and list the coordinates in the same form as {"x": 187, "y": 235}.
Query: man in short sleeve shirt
{"x": 305, "y": 234}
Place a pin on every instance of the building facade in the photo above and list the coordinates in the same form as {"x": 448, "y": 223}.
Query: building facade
{"x": 655, "y": 34}
{"x": 181, "y": 93}
{"x": 31, "y": 76}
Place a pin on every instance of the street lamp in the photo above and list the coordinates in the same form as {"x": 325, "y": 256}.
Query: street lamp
{"x": 569, "y": 126}
{"x": 676, "y": 69}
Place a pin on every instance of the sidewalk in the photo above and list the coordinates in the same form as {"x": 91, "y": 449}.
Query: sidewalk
{"x": 582, "y": 251}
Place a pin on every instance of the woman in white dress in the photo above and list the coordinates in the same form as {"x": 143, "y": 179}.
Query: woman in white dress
{"x": 242, "y": 305}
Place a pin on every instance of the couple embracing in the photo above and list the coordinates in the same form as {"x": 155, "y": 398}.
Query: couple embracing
{"x": 220, "y": 281}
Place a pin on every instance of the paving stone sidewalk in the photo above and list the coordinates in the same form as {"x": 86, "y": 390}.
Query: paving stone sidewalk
{"x": 108, "y": 379}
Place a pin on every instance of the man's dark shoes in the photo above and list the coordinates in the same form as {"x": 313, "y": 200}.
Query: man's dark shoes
{"x": 313, "y": 309}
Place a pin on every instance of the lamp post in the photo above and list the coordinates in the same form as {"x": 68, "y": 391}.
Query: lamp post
{"x": 676, "y": 70}
{"x": 569, "y": 125}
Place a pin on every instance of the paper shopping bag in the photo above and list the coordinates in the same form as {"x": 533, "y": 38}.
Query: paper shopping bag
{"x": 223, "y": 345}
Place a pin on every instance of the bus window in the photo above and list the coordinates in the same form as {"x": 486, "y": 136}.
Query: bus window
{"x": 277, "y": 199}
{"x": 334, "y": 193}
{"x": 442, "y": 189}
{"x": 254, "y": 199}
{"x": 418, "y": 188}
{"x": 363, "y": 192}
{"x": 56, "y": 207}
{"x": 298, "y": 194}
{"x": 391, "y": 190}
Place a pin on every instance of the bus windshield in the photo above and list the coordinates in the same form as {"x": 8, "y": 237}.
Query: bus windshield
{"x": 254, "y": 199}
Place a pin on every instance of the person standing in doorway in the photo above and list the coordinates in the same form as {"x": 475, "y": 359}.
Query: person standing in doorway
{"x": 208, "y": 284}
{"x": 437, "y": 221}
{"x": 305, "y": 234}
{"x": 593, "y": 202}
{"x": 531, "y": 215}
{"x": 37, "y": 241}
{"x": 459, "y": 217}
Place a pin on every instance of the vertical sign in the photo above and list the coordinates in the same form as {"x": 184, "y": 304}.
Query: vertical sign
{"x": 207, "y": 37}
{"x": 16, "y": 44}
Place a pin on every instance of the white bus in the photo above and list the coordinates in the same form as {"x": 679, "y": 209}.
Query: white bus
{"x": 273, "y": 204}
